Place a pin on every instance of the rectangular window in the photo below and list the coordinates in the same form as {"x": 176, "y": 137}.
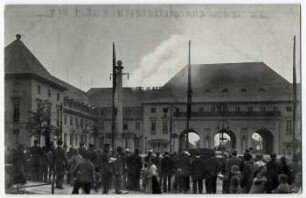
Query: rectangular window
{"x": 153, "y": 127}
{"x": 65, "y": 119}
{"x": 289, "y": 109}
{"x": 76, "y": 140}
{"x": 289, "y": 126}
{"x": 125, "y": 126}
{"x": 165, "y": 127}
{"x": 49, "y": 93}
{"x": 137, "y": 126}
{"x": 82, "y": 123}
{"x": 102, "y": 125}
{"x": 165, "y": 110}
{"x": 58, "y": 96}
{"x": 177, "y": 109}
{"x": 38, "y": 89}
{"x": 57, "y": 116}
{"x": 71, "y": 120}
{"x": 153, "y": 110}
{"x": 16, "y": 111}
{"x": 71, "y": 139}
{"x": 38, "y": 108}
{"x": 262, "y": 108}
{"x": 76, "y": 122}
{"x": 65, "y": 138}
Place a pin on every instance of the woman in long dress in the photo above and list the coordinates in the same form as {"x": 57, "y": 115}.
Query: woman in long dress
{"x": 152, "y": 185}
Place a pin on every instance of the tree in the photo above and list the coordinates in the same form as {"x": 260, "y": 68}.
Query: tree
{"x": 39, "y": 122}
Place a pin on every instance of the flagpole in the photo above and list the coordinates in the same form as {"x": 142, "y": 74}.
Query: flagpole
{"x": 294, "y": 99}
{"x": 113, "y": 98}
{"x": 189, "y": 92}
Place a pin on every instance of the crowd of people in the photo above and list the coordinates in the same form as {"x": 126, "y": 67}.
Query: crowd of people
{"x": 121, "y": 170}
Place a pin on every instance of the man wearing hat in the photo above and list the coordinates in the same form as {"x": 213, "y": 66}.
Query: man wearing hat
{"x": 167, "y": 166}
{"x": 36, "y": 154}
{"x": 273, "y": 170}
{"x": 61, "y": 162}
{"x": 184, "y": 164}
{"x": 105, "y": 168}
{"x": 197, "y": 173}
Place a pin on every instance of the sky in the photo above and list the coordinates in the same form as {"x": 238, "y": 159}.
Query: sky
{"x": 74, "y": 43}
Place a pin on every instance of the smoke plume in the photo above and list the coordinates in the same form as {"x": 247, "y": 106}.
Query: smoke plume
{"x": 157, "y": 67}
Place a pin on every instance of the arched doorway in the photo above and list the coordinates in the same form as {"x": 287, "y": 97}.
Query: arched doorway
{"x": 226, "y": 141}
{"x": 263, "y": 141}
{"x": 193, "y": 140}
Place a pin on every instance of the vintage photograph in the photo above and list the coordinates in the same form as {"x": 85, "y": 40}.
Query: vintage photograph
{"x": 152, "y": 99}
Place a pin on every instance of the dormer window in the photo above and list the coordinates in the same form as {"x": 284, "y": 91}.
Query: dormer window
{"x": 207, "y": 90}
{"x": 261, "y": 89}
{"x": 243, "y": 90}
{"x": 224, "y": 90}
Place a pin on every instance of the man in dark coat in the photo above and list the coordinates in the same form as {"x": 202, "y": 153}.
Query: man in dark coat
{"x": 19, "y": 162}
{"x": 93, "y": 156}
{"x": 136, "y": 166}
{"x": 273, "y": 170}
{"x": 150, "y": 157}
{"x": 183, "y": 163}
{"x": 105, "y": 168}
{"x": 82, "y": 149}
{"x": 247, "y": 173}
{"x": 211, "y": 174}
{"x": 286, "y": 169}
{"x": 197, "y": 172}
{"x": 36, "y": 155}
{"x": 61, "y": 163}
{"x": 167, "y": 167}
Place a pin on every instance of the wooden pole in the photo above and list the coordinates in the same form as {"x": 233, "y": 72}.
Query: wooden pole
{"x": 294, "y": 101}
{"x": 113, "y": 98}
{"x": 189, "y": 92}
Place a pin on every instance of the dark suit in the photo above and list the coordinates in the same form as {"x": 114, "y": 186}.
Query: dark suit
{"x": 167, "y": 166}
{"x": 197, "y": 173}
{"x": 184, "y": 164}
{"x": 212, "y": 165}
{"x": 105, "y": 171}
{"x": 61, "y": 162}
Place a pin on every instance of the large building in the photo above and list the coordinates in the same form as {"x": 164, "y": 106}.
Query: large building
{"x": 249, "y": 102}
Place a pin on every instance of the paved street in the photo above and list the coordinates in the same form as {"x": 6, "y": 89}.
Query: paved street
{"x": 46, "y": 189}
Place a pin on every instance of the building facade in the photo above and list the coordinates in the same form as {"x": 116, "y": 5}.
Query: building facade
{"x": 249, "y": 102}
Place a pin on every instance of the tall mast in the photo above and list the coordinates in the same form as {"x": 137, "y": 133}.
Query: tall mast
{"x": 189, "y": 92}
{"x": 294, "y": 101}
{"x": 113, "y": 98}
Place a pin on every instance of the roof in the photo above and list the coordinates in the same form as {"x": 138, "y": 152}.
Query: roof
{"x": 102, "y": 97}
{"x": 251, "y": 81}
{"x": 19, "y": 60}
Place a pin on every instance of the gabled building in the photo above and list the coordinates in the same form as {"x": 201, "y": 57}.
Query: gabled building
{"x": 30, "y": 88}
{"x": 240, "y": 99}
